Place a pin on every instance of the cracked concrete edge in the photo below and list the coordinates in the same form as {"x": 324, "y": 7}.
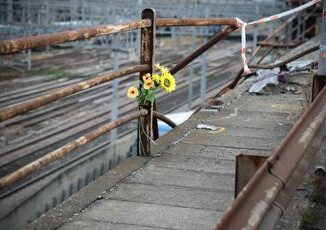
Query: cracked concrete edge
{"x": 87, "y": 195}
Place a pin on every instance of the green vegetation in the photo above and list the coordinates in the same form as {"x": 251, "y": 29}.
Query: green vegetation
{"x": 315, "y": 212}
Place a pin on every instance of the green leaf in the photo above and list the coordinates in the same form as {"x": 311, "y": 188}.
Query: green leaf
{"x": 150, "y": 96}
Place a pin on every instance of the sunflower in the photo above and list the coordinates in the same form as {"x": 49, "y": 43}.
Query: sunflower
{"x": 156, "y": 78}
{"x": 147, "y": 77}
{"x": 132, "y": 92}
{"x": 162, "y": 69}
{"x": 167, "y": 82}
{"x": 148, "y": 84}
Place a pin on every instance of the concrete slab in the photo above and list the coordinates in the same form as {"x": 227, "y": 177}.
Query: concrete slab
{"x": 251, "y": 122}
{"x": 263, "y": 105}
{"x": 200, "y": 164}
{"x": 150, "y": 215}
{"x": 172, "y": 195}
{"x": 241, "y": 132}
{"x": 195, "y": 149}
{"x": 234, "y": 142}
{"x": 104, "y": 225}
{"x": 184, "y": 178}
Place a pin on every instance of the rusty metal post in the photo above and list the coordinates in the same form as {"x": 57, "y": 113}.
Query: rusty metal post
{"x": 147, "y": 46}
{"x": 319, "y": 80}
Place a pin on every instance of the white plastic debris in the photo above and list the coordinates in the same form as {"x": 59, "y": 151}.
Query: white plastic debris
{"x": 264, "y": 78}
{"x": 299, "y": 65}
{"x": 204, "y": 126}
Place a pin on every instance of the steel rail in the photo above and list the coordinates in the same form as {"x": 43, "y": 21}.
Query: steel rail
{"x": 164, "y": 119}
{"x": 276, "y": 180}
{"x": 54, "y": 95}
{"x": 212, "y": 41}
{"x": 67, "y": 148}
{"x": 282, "y": 63}
{"x": 19, "y": 44}
{"x": 168, "y": 22}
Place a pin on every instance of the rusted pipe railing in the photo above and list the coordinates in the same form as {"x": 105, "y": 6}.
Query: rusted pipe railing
{"x": 69, "y": 90}
{"x": 19, "y": 44}
{"x": 277, "y": 179}
{"x": 212, "y": 41}
{"x": 167, "y": 22}
{"x": 67, "y": 148}
{"x": 279, "y": 64}
{"x": 164, "y": 119}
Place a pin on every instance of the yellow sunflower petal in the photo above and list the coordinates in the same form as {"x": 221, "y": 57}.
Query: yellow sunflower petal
{"x": 161, "y": 68}
{"x": 132, "y": 92}
{"x": 156, "y": 78}
{"x": 167, "y": 82}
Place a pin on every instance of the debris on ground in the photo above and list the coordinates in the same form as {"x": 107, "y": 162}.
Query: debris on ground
{"x": 204, "y": 126}
{"x": 300, "y": 65}
{"x": 264, "y": 78}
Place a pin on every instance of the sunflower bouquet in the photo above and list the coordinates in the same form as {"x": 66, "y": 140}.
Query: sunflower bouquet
{"x": 150, "y": 82}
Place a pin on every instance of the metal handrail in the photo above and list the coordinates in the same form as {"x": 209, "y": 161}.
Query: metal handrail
{"x": 55, "y": 95}
{"x": 19, "y": 44}
{"x": 67, "y": 148}
{"x": 146, "y": 24}
{"x": 165, "y": 119}
{"x": 172, "y": 22}
{"x": 211, "y": 42}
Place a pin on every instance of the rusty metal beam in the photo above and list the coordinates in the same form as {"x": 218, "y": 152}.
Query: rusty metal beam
{"x": 282, "y": 63}
{"x": 212, "y": 41}
{"x": 276, "y": 180}
{"x": 164, "y": 119}
{"x": 166, "y": 22}
{"x": 19, "y": 44}
{"x": 67, "y": 148}
{"x": 66, "y": 91}
{"x": 147, "y": 45}
{"x": 278, "y": 45}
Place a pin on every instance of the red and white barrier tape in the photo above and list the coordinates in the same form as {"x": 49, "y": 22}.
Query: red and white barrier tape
{"x": 263, "y": 20}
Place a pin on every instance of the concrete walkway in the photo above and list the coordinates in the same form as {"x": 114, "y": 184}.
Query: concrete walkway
{"x": 190, "y": 182}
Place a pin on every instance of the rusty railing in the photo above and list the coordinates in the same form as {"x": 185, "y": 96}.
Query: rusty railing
{"x": 147, "y": 25}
